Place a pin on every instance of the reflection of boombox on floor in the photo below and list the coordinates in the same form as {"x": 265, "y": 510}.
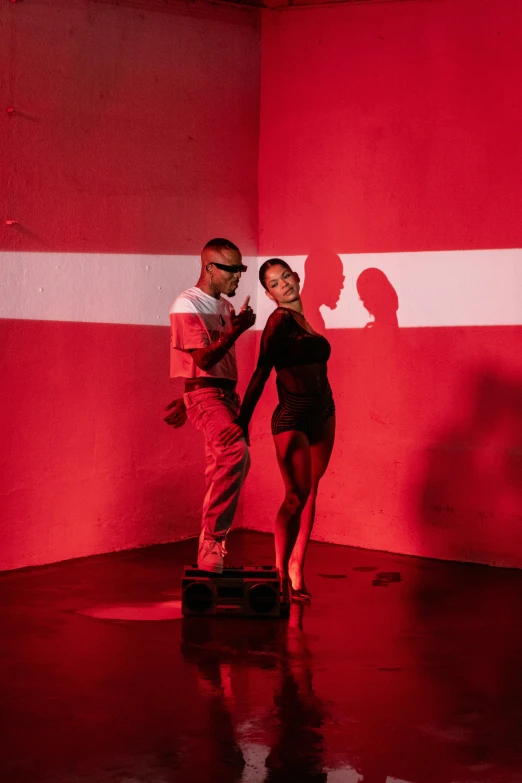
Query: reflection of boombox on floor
{"x": 251, "y": 591}
{"x": 211, "y": 640}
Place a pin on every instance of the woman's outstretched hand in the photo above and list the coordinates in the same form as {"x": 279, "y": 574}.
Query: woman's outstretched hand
{"x": 233, "y": 433}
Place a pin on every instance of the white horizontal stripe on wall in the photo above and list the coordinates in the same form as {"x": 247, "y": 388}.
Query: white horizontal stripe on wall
{"x": 100, "y": 288}
{"x": 444, "y": 288}
{"x": 449, "y": 288}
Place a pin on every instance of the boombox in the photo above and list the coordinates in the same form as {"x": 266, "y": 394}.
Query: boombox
{"x": 251, "y": 591}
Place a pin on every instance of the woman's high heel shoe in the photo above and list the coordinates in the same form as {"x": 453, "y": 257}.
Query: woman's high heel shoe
{"x": 300, "y": 595}
{"x": 286, "y": 597}
{"x": 297, "y": 572}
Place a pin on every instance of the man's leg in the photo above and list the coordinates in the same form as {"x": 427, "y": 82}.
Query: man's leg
{"x": 212, "y": 410}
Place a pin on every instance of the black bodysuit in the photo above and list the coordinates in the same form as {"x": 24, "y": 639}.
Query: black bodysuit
{"x": 299, "y": 357}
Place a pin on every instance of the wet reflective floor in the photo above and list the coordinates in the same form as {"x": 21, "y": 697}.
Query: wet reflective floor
{"x": 400, "y": 669}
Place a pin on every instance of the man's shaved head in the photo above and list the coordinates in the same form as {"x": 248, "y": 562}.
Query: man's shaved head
{"x": 221, "y": 268}
{"x": 220, "y": 250}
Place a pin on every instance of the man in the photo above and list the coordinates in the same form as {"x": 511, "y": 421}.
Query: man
{"x": 204, "y": 329}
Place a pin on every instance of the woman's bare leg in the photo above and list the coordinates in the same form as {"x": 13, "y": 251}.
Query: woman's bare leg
{"x": 320, "y": 451}
{"x": 293, "y": 456}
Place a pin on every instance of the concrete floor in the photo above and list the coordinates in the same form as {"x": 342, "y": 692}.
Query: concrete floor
{"x": 377, "y": 680}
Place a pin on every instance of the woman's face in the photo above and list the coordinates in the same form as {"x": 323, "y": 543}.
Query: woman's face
{"x": 282, "y": 285}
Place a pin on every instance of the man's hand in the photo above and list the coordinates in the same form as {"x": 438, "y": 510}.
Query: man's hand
{"x": 178, "y": 414}
{"x": 231, "y": 434}
{"x": 245, "y": 318}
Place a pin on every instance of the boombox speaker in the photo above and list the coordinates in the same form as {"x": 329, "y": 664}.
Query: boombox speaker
{"x": 251, "y": 591}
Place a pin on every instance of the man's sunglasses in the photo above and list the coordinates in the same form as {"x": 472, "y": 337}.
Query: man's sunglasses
{"x": 231, "y": 268}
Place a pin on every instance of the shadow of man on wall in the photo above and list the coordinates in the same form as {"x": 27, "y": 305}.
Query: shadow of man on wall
{"x": 323, "y": 284}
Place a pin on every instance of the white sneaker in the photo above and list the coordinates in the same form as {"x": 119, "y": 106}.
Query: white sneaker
{"x": 210, "y": 555}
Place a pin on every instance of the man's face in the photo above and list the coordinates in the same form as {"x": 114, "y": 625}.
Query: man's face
{"x": 226, "y": 281}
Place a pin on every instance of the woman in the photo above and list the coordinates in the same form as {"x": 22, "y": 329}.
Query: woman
{"x": 303, "y": 424}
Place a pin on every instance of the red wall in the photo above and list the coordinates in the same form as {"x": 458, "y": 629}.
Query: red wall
{"x": 392, "y": 128}
{"x": 124, "y": 137}
{"x": 124, "y": 142}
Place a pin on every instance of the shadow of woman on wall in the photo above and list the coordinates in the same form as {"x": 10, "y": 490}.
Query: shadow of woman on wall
{"x": 380, "y": 298}
{"x": 379, "y": 360}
